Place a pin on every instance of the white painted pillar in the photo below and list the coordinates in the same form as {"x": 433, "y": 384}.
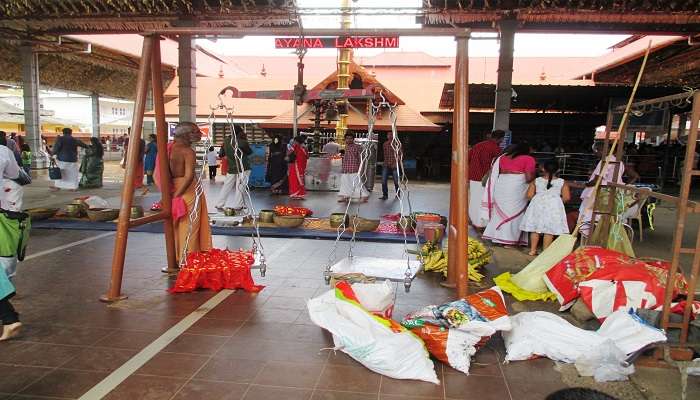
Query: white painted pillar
{"x": 95, "y": 101}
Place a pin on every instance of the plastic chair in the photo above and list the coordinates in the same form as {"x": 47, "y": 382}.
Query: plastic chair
{"x": 641, "y": 201}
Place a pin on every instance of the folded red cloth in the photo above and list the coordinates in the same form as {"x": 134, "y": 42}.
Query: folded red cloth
{"x": 179, "y": 208}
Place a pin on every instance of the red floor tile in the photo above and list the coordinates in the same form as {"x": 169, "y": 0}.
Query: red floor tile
{"x": 195, "y": 344}
{"x": 14, "y": 378}
{"x": 289, "y": 374}
{"x": 230, "y": 370}
{"x": 269, "y": 392}
{"x": 173, "y": 365}
{"x": 209, "y": 390}
{"x": 146, "y": 387}
{"x": 473, "y": 387}
{"x": 351, "y": 379}
{"x": 65, "y": 383}
{"x": 99, "y": 359}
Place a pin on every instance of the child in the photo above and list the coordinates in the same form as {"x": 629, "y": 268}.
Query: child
{"x": 26, "y": 158}
{"x": 546, "y": 214}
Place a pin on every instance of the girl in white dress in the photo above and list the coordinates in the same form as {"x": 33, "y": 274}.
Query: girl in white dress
{"x": 545, "y": 215}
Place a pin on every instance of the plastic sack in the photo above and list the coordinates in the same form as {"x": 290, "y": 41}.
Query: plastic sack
{"x": 379, "y": 344}
{"x": 605, "y": 363}
{"x": 563, "y": 279}
{"x": 454, "y": 331}
{"x": 630, "y": 332}
{"x": 9, "y": 265}
{"x": 543, "y": 334}
{"x": 377, "y": 298}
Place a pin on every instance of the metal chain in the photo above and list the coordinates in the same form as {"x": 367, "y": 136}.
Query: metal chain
{"x": 403, "y": 192}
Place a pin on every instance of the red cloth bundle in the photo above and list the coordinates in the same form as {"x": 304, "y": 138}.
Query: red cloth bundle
{"x": 217, "y": 269}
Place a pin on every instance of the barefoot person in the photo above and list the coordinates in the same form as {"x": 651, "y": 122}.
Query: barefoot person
{"x": 65, "y": 150}
{"x": 182, "y": 164}
{"x": 481, "y": 158}
{"x": 236, "y": 150}
{"x": 350, "y": 184}
{"x": 298, "y": 157}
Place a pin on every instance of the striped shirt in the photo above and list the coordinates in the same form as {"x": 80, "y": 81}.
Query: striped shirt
{"x": 390, "y": 155}
{"x": 481, "y": 157}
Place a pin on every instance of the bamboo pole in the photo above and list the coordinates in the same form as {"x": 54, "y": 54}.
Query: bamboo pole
{"x": 114, "y": 292}
{"x": 620, "y": 132}
{"x": 163, "y": 161}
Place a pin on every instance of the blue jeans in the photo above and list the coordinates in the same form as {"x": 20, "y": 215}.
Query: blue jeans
{"x": 386, "y": 170}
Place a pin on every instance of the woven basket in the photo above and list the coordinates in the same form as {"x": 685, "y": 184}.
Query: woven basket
{"x": 102, "y": 214}
{"x": 336, "y": 219}
{"x": 288, "y": 221}
{"x": 39, "y": 214}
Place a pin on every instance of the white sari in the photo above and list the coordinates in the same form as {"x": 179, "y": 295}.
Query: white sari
{"x": 503, "y": 205}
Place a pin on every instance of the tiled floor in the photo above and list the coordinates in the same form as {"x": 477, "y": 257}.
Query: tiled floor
{"x": 250, "y": 346}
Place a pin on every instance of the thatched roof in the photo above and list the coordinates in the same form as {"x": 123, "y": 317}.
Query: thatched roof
{"x": 102, "y": 70}
{"x": 140, "y": 15}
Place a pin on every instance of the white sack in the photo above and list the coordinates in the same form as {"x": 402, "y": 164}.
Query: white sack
{"x": 605, "y": 363}
{"x": 357, "y": 333}
{"x": 375, "y": 297}
{"x": 629, "y": 332}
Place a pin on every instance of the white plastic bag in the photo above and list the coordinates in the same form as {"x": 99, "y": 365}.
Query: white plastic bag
{"x": 96, "y": 202}
{"x": 541, "y": 333}
{"x": 605, "y": 363}
{"x": 377, "y": 298}
{"x": 629, "y": 332}
{"x": 399, "y": 355}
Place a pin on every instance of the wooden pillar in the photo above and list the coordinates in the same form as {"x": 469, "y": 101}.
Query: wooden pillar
{"x": 163, "y": 162}
{"x": 114, "y": 293}
{"x": 459, "y": 178}
{"x": 504, "y": 81}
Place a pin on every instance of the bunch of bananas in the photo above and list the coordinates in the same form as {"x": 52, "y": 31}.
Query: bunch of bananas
{"x": 435, "y": 259}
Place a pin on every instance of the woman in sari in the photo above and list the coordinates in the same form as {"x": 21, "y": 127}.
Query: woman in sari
{"x": 92, "y": 166}
{"x": 297, "y": 157}
{"x": 277, "y": 166}
{"x": 505, "y": 197}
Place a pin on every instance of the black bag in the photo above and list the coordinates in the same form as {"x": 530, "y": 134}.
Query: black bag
{"x": 54, "y": 171}
{"x": 23, "y": 178}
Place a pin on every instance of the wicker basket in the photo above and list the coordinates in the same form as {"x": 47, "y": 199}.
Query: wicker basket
{"x": 364, "y": 224}
{"x": 288, "y": 221}
{"x": 40, "y": 214}
{"x": 102, "y": 214}
{"x": 336, "y": 219}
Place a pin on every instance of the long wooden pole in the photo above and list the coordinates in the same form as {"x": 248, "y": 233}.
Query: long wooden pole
{"x": 459, "y": 200}
{"x": 162, "y": 144}
{"x": 115, "y": 286}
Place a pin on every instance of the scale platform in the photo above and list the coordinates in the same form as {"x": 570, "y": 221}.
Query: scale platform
{"x": 393, "y": 269}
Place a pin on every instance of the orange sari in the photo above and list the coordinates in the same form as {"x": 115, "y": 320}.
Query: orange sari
{"x": 200, "y": 237}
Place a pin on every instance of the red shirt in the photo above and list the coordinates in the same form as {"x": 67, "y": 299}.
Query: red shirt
{"x": 390, "y": 154}
{"x": 480, "y": 158}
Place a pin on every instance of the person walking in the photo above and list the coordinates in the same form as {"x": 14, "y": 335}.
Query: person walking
{"x": 298, "y": 157}
{"x": 505, "y": 199}
{"x": 92, "y": 167}
{"x": 149, "y": 161}
{"x": 351, "y": 185}
{"x": 546, "y": 215}
{"x": 392, "y": 164}
{"x": 140, "y": 171}
{"x": 65, "y": 151}
{"x": 236, "y": 150}
{"x": 276, "y": 172}
{"x": 481, "y": 158}
{"x": 212, "y": 162}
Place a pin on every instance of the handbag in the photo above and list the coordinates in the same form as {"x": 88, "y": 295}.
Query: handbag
{"x": 54, "y": 171}
{"x": 23, "y": 178}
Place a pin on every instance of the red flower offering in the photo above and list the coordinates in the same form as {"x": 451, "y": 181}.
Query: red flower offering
{"x": 293, "y": 211}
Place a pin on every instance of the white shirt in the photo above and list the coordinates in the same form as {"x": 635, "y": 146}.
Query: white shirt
{"x": 212, "y": 158}
{"x": 331, "y": 148}
{"x": 8, "y": 165}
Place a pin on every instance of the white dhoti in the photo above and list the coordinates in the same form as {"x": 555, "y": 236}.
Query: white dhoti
{"x": 352, "y": 187}
{"x": 11, "y": 197}
{"x": 70, "y": 175}
{"x": 231, "y": 194}
{"x": 505, "y": 201}
{"x": 476, "y": 192}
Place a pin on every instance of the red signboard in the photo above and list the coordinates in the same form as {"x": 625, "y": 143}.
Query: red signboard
{"x": 353, "y": 42}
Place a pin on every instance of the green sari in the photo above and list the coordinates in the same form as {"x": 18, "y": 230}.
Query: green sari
{"x": 91, "y": 168}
